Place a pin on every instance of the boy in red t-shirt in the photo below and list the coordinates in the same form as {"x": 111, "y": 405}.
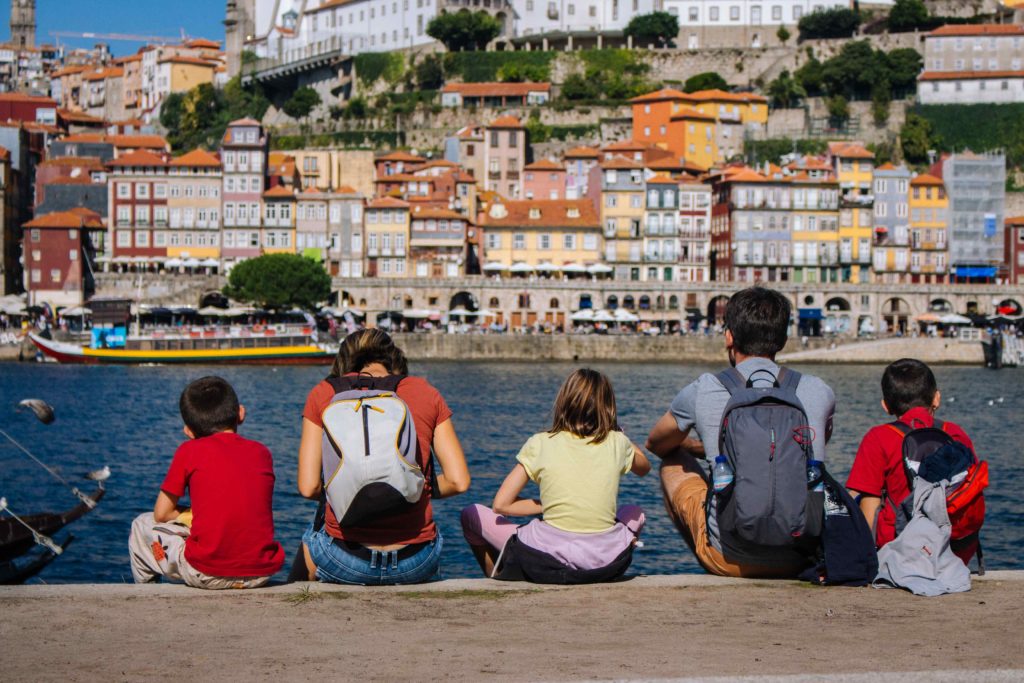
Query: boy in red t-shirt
{"x": 911, "y": 395}
{"x": 226, "y": 540}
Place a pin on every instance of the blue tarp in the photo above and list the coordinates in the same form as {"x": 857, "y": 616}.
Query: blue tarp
{"x": 975, "y": 271}
{"x": 811, "y": 314}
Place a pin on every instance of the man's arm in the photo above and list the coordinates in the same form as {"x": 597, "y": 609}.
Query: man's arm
{"x": 166, "y": 508}
{"x": 869, "y": 505}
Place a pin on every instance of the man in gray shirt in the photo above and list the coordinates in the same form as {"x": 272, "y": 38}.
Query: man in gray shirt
{"x": 757, "y": 324}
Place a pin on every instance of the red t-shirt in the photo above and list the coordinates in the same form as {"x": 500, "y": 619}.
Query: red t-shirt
{"x": 230, "y": 481}
{"x": 416, "y": 524}
{"x": 878, "y": 467}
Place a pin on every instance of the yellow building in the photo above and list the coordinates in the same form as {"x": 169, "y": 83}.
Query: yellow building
{"x": 854, "y": 167}
{"x": 929, "y": 225}
{"x": 278, "y": 234}
{"x": 193, "y": 207}
{"x": 815, "y": 228}
{"x": 622, "y": 215}
{"x": 693, "y": 135}
{"x": 545, "y": 235}
{"x": 747, "y": 108}
{"x": 387, "y": 237}
{"x": 179, "y": 73}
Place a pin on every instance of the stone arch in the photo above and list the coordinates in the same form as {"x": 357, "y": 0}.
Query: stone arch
{"x": 408, "y": 301}
{"x": 494, "y": 302}
{"x": 837, "y": 303}
{"x": 659, "y": 302}
{"x": 612, "y": 302}
{"x": 940, "y": 306}
{"x": 673, "y": 302}
{"x": 464, "y": 299}
{"x": 553, "y": 304}
{"x": 628, "y": 302}
{"x": 213, "y": 298}
{"x": 716, "y": 309}
{"x": 585, "y": 301}
{"x": 645, "y": 303}
{"x": 896, "y": 314}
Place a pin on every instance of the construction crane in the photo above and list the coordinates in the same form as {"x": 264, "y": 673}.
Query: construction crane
{"x": 126, "y": 37}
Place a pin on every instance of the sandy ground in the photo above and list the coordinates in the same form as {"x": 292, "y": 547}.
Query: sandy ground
{"x": 656, "y": 627}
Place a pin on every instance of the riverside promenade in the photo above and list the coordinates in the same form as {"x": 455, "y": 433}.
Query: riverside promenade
{"x": 682, "y": 627}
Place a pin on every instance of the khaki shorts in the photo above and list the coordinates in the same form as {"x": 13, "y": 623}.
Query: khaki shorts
{"x": 685, "y": 506}
{"x": 159, "y": 550}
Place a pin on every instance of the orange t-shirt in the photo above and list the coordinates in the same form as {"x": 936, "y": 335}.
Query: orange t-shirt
{"x": 416, "y": 524}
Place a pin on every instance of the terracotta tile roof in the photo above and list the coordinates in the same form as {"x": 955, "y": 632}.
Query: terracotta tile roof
{"x": 400, "y": 156}
{"x": 583, "y": 153}
{"x": 805, "y": 177}
{"x": 621, "y": 163}
{"x": 887, "y": 166}
{"x": 437, "y": 163}
{"x": 849, "y": 150}
{"x": 85, "y": 137}
{"x": 279, "y": 192}
{"x": 138, "y": 158}
{"x": 139, "y": 142}
{"x": 544, "y": 165}
{"x": 688, "y": 113}
{"x": 967, "y": 75}
{"x": 495, "y": 89}
{"x": 553, "y": 213}
{"x": 197, "y": 157}
{"x": 202, "y": 42}
{"x": 77, "y": 116}
{"x": 809, "y": 163}
{"x": 625, "y": 146}
{"x": 662, "y": 95}
{"x": 978, "y": 30}
{"x": 346, "y": 189}
{"x": 403, "y": 178}
{"x": 721, "y": 95}
{"x": 661, "y": 179}
{"x": 745, "y": 175}
{"x": 244, "y": 122}
{"x": 32, "y": 99}
{"x": 505, "y": 122}
{"x": 104, "y": 74}
{"x": 91, "y": 163}
{"x": 81, "y": 218}
{"x": 68, "y": 71}
{"x": 387, "y": 203}
{"x": 926, "y": 179}
{"x": 128, "y": 59}
{"x": 71, "y": 180}
{"x": 424, "y": 212}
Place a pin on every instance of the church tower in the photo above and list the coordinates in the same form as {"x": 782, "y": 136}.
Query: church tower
{"x": 23, "y": 23}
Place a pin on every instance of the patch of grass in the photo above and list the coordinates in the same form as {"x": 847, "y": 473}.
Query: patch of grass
{"x": 303, "y": 596}
{"x": 456, "y": 595}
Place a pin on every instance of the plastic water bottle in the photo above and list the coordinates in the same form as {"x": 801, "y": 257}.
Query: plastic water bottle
{"x": 814, "y": 474}
{"x": 721, "y": 474}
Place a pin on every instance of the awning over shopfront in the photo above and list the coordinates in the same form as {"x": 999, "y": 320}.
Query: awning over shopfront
{"x": 811, "y": 314}
{"x": 976, "y": 271}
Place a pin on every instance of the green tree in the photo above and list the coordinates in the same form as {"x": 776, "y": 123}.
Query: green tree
{"x": 579, "y": 87}
{"x": 785, "y": 92}
{"x": 659, "y": 28}
{"x": 917, "y": 137}
{"x": 880, "y": 100}
{"x": 709, "y": 80}
{"x": 464, "y": 30}
{"x": 429, "y": 73}
{"x": 838, "y": 110}
{"x": 302, "y": 103}
{"x": 783, "y": 34}
{"x": 907, "y": 15}
{"x": 810, "y": 76}
{"x": 854, "y": 71}
{"x": 357, "y": 108}
{"x": 279, "y": 281}
{"x": 883, "y": 152}
{"x": 905, "y": 64}
{"x": 830, "y": 23}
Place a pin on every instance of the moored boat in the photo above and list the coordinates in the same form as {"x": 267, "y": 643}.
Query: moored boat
{"x": 271, "y": 345}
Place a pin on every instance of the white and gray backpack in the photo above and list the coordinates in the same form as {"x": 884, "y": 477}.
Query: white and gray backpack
{"x": 369, "y": 450}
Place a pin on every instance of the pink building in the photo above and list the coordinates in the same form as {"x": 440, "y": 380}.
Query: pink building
{"x": 244, "y": 155}
{"x": 579, "y": 161}
{"x": 505, "y": 147}
{"x": 544, "y": 179}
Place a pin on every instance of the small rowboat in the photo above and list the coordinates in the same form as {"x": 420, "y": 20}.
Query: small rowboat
{"x": 268, "y": 350}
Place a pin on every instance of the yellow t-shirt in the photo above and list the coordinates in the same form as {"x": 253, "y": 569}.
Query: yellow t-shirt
{"x": 579, "y": 481}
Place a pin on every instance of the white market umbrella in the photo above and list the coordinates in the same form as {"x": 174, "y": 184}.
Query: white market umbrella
{"x": 954, "y": 319}
{"x": 237, "y": 311}
{"x": 209, "y": 263}
{"x": 210, "y": 311}
{"x": 585, "y": 315}
{"x": 603, "y": 316}
{"x": 122, "y": 259}
{"x": 548, "y": 268}
{"x": 191, "y": 263}
{"x": 76, "y": 311}
{"x": 494, "y": 268}
{"x": 419, "y": 312}
{"x": 624, "y": 316}
{"x": 599, "y": 268}
{"x": 459, "y": 312}
{"x": 174, "y": 263}
{"x": 485, "y": 313}
{"x": 521, "y": 268}
{"x": 573, "y": 268}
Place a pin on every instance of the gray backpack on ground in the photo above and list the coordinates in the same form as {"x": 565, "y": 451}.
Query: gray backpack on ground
{"x": 369, "y": 450}
{"x": 766, "y": 438}
{"x": 920, "y": 559}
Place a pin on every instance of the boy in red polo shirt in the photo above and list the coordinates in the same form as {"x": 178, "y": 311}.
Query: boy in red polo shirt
{"x": 911, "y": 395}
{"x": 226, "y": 540}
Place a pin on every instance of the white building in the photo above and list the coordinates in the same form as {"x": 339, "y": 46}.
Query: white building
{"x": 725, "y": 13}
{"x": 533, "y": 17}
{"x": 971, "y": 64}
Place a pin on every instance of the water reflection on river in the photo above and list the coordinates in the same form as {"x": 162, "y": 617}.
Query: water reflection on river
{"x": 127, "y": 417}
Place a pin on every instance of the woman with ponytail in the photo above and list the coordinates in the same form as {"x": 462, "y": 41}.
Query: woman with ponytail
{"x": 397, "y": 548}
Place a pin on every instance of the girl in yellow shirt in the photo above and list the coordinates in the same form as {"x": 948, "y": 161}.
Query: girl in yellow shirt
{"x": 577, "y": 465}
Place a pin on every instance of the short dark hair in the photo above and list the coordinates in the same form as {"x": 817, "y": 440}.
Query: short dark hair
{"x": 908, "y": 383}
{"x": 758, "y": 319}
{"x": 209, "y": 405}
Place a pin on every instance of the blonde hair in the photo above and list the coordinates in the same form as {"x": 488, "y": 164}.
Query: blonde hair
{"x": 365, "y": 347}
{"x": 585, "y": 406}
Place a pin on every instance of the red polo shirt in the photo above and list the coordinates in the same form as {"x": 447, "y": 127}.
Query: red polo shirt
{"x": 878, "y": 467}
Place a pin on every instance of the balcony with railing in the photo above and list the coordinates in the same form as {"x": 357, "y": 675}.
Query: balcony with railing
{"x": 853, "y": 200}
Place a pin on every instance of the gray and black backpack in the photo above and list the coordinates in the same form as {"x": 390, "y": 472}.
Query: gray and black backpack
{"x": 369, "y": 450}
{"x": 766, "y": 438}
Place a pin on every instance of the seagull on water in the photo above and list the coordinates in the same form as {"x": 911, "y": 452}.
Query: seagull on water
{"x": 99, "y": 475}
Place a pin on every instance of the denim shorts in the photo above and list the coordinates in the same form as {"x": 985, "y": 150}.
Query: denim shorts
{"x": 336, "y": 565}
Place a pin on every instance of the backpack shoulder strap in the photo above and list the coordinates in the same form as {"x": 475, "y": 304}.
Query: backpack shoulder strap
{"x": 789, "y": 379}
{"x": 346, "y": 383}
{"x": 340, "y": 384}
{"x": 732, "y": 380}
{"x": 939, "y": 424}
{"x": 902, "y": 427}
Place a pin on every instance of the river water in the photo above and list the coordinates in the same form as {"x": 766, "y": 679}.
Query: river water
{"x": 127, "y": 417}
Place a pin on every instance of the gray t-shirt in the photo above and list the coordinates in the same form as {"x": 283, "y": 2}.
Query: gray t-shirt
{"x": 701, "y": 403}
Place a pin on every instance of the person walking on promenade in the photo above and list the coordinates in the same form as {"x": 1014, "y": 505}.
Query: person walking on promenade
{"x": 577, "y": 464}
{"x": 376, "y": 523}
{"x": 751, "y": 526}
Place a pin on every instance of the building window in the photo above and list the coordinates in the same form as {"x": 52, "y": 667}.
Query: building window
{"x": 124, "y": 190}
{"x": 519, "y": 241}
